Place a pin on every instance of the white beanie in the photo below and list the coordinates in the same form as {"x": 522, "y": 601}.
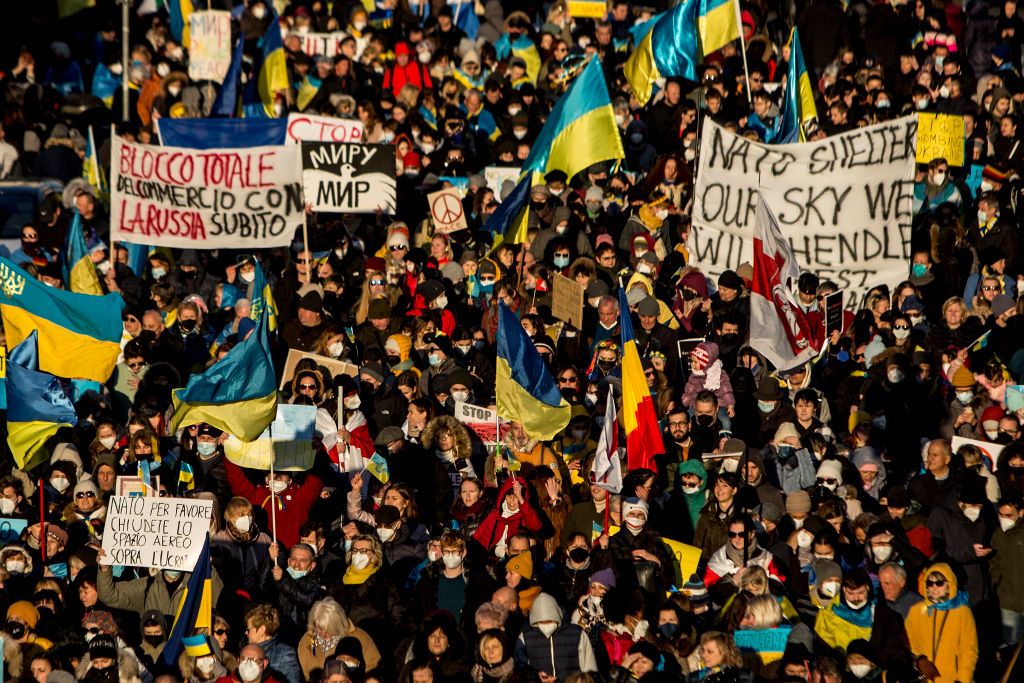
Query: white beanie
{"x": 831, "y": 469}
{"x": 632, "y": 504}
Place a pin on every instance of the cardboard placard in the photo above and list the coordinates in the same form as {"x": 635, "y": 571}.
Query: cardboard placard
{"x": 687, "y": 558}
{"x": 313, "y": 128}
{"x": 483, "y": 421}
{"x": 326, "y": 44}
{"x": 940, "y": 135}
{"x": 834, "y": 313}
{"x": 495, "y": 176}
{"x": 587, "y": 9}
{"x": 209, "y": 57}
{"x": 134, "y": 486}
{"x": 336, "y": 367}
{"x": 287, "y": 442}
{"x": 567, "y": 300}
{"x": 349, "y": 178}
{"x": 148, "y": 531}
{"x": 446, "y": 211}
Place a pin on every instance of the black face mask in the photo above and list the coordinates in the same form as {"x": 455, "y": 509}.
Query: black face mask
{"x": 606, "y": 366}
{"x": 729, "y": 339}
{"x": 188, "y": 325}
{"x": 705, "y": 420}
{"x": 154, "y": 640}
{"x": 689, "y": 295}
{"x": 393, "y": 359}
{"x": 108, "y": 675}
{"x": 16, "y": 629}
{"x": 579, "y": 555}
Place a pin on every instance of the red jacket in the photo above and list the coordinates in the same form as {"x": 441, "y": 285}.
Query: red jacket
{"x": 491, "y": 530}
{"x": 413, "y": 73}
{"x": 294, "y": 504}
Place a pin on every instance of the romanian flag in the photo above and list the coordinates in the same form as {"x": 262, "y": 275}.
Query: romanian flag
{"x": 79, "y": 272}
{"x": 581, "y": 130}
{"x": 237, "y": 394}
{"x": 180, "y": 11}
{"x": 79, "y": 334}
{"x": 194, "y": 612}
{"x": 718, "y": 22}
{"x": 38, "y": 404}
{"x": 263, "y": 298}
{"x": 226, "y": 104}
{"x": 92, "y": 170}
{"x": 511, "y": 219}
{"x": 798, "y": 107}
{"x": 258, "y": 97}
{"x": 669, "y": 49}
{"x": 524, "y": 388}
{"x": 639, "y": 419}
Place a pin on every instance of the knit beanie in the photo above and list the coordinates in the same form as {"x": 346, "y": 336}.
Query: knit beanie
{"x": 521, "y": 564}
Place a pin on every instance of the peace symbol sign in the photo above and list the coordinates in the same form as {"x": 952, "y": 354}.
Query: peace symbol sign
{"x": 446, "y": 208}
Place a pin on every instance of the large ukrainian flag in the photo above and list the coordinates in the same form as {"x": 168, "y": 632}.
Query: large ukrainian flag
{"x": 524, "y": 388}
{"x": 237, "y": 394}
{"x": 194, "y": 612}
{"x": 37, "y": 405}
{"x": 798, "y": 106}
{"x": 258, "y": 98}
{"x": 79, "y": 272}
{"x": 79, "y": 334}
{"x": 580, "y": 131}
{"x": 718, "y": 22}
{"x": 511, "y": 219}
{"x": 669, "y": 49}
{"x": 639, "y": 418}
{"x": 180, "y": 11}
{"x": 263, "y": 298}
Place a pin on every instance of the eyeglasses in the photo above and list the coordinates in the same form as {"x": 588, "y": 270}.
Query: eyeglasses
{"x": 304, "y": 260}
{"x": 398, "y": 247}
{"x": 680, "y": 423}
{"x": 377, "y": 283}
{"x": 935, "y": 582}
{"x": 93, "y": 630}
{"x": 989, "y": 288}
{"x": 136, "y": 365}
{"x": 85, "y": 494}
{"x": 901, "y": 327}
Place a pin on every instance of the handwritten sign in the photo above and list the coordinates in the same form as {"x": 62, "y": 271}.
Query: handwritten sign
{"x": 326, "y": 44}
{"x": 242, "y": 198}
{"x": 940, "y": 135}
{"x": 210, "y": 54}
{"x": 446, "y": 211}
{"x": 495, "y": 176}
{"x": 768, "y": 643}
{"x": 349, "y": 178}
{"x": 335, "y": 367}
{"x": 165, "y": 533}
{"x": 567, "y": 300}
{"x": 134, "y": 486}
{"x": 10, "y": 529}
{"x": 483, "y": 421}
{"x": 313, "y": 128}
{"x": 287, "y": 442}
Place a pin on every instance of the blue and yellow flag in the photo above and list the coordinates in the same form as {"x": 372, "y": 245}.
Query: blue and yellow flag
{"x": 196, "y": 646}
{"x": 194, "y": 612}
{"x": 718, "y": 23}
{"x": 581, "y": 130}
{"x": 38, "y": 404}
{"x": 511, "y": 219}
{"x": 79, "y": 272}
{"x": 226, "y": 104}
{"x": 92, "y": 170}
{"x": 524, "y": 388}
{"x": 180, "y": 11}
{"x": 79, "y": 334}
{"x": 104, "y": 84}
{"x": 378, "y": 467}
{"x": 237, "y": 394}
{"x": 798, "y": 108}
{"x": 263, "y": 298}
{"x": 522, "y": 48}
{"x": 258, "y": 97}
{"x": 669, "y": 49}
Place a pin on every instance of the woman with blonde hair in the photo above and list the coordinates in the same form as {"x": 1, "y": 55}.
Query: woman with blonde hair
{"x": 721, "y": 659}
{"x": 328, "y": 623}
{"x": 367, "y": 595}
{"x": 956, "y": 328}
{"x": 240, "y": 548}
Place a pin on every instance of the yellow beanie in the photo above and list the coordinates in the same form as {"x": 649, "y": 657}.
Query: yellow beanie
{"x": 521, "y": 564}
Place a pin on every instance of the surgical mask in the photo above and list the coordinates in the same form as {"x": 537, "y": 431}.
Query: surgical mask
{"x": 669, "y": 630}
{"x": 690, "y": 154}
{"x": 640, "y": 630}
{"x": 259, "y": 11}
{"x": 829, "y": 589}
{"x": 452, "y": 560}
{"x": 882, "y": 104}
{"x": 547, "y": 628}
{"x": 243, "y": 523}
{"x": 385, "y": 534}
{"x": 248, "y": 277}
{"x": 277, "y": 486}
{"x": 644, "y": 269}
{"x": 162, "y": 69}
{"x": 882, "y": 553}
{"x": 336, "y": 349}
{"x": 691, "y": 490}
{"x": 108, "y": 441}
{"x": 460, "y": 396}
{"x": 992, "y": 434}
{"x": 428, "y": 148}
{"x": 360, "y": 561}
{"x": 901, "y": 335}
{"x": 174, "y": 90}
{"x": 434, "y": 360}
{"x": 916, "y": 320}
{"x": 895, "y": 375}
{"x": 60, "y": 483}
{"x": 353, "y": 402}
{"x": 1007, "y": 524}
{"x": 389, "y": 136}
{"x": 940, "y": 178}
{"x": 206, "y": 448}
{"x": 15, "y": 566}
{"x": 785, "y": 452}
{"x": 424, "y": 57}
{"x": 939, "y": 59}
{"x": 103, "y": 267}
{"x": 798, "y": 523}
{"x": 7, "y": 506}
{"x": 441, "y": 302}
{"x": 463, "y": 349}
{"x": 359, "y": 25}
{"x": 964, "y": 396}
{"x": 561, "y": 261}
{"x": 519, "y": 133}
{"x": 860, "y": 670}
{"x": 986, "y": 186}
{"x": 765, "y": 406}
{"x": 296, "y": 573}
{"x": 158, "y": 273}
{"x": 512, "y": 111}
{"x": 590, "y": 399}
{"x": 620, "y": 119}
{"x": 804, "y": 539}
{"x": 944, "y": 91}
{"x": 433, "y": 555}
{"x": 634, "y": 526}
{"x": 860, "y": 604}
{"x": 172, "y": 574}
{"x": 921, "y": 104}
{"x": 662, "y": 214}
{"x": 206, "y": 664}
{"x": 972, "y": 513}
{"x": 249, "y": 671}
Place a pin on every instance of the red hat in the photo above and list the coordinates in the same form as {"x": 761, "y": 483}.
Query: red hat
{"x": 991, "y": 414}
{"x": 376, "y": 264}
{"x": 411, "y": 159}
{"x": 402, "y": 48}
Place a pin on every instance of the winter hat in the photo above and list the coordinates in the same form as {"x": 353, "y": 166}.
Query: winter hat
{"x": 863, "y": 648}
{"x": 633, "y": 504}
{"x": 372, "y": 370}
{"x": 798, "y": 502}
{"x": 962, "y": 378}
{"x": 1001, "y": 304}
{"x": 704, "y": 355}
{"x": 25, "y": 612}
{"x": 68, "y": 453}
{"x": 730, "y": 280}
{"x": 379, "y": 309}
{"x": 786, "y": 430}
{"x": 648, "y": 307}
{"x": 402, "y": 343}
{"x": 695, "y": 590}
{"x": 990, "y": 418}
{"x": 826, "y": 570}
{"x": 605, "y": 577}
{"x": 911, "y": 303}
{"x": 375, "y": 264}
{"x": 594, "y": 194}
{"x": 386, "y": 515}
{"x": 59, "y": 676}
{"x": 830, "y": 469}
{"x": 398, "y": 233}
{"x": 103, "y": 646}
{"x": 521, "y": 564}
{"x": 86, "y": 486}
{"x": 875, "y": 348}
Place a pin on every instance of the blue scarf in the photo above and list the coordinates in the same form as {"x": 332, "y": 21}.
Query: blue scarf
{"x": 863, "y": 617}
{"x": 949, "y": 605}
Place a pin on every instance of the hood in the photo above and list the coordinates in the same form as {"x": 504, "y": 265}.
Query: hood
{"x": 694, "y": 279}
{"x": 693, "y": 467}
{"x": 545, "y": 608}
{"x": 506, "y": 488}
{"x": 946, "y": 571}
{"x": 463, "y": 448}
{"x": 640, "y": 278}
{"x": 636, "y": 127}
{"x": 867, "y": 454}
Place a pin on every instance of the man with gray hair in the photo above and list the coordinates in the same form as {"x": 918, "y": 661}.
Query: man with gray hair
{"x": 893, "y": 579}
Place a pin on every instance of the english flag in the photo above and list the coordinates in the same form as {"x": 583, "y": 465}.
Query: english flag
{"x": 606, "y": 471}
{"x": 778, "y": 328}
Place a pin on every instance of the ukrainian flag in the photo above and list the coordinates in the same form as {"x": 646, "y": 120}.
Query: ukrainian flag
{"x": 639, "y": 418}
{"x": 581, "y": 130}
{"x": 524, "y": 388}
{"x": 226, "y": 104}
{"x": 378, "y": 467}
{"x": 196, "y": 646}
{"x": 258, "y": 98}
{"x": 718, "y": 22}
{"x": 180, "y": 11}
{"x": 523, "y": 48}
{"x": 237, "y": 394}
{"x": 37, "y": 405}
{"x": 798, "y": 107}
{"x": 92, "y": 170}
{"x": 194, "y": 612}
{"x": 104, "y": 84}
{"x": 510, "y": 220}
{"x": 79, "y": 334}
{"x": 138, "y": 257}
{"x": 669, "y": 49}
{"x": 79, "y": 273}
{"x": 263, "y": 298}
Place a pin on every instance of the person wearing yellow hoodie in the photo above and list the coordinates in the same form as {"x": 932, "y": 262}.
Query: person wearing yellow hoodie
{"x": 941, "y": 628}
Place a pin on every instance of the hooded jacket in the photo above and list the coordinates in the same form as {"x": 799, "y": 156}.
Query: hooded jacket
{"x": 496, "y": 529}
{"x": 944, "y": 632}
{"x": 565, "y": 652}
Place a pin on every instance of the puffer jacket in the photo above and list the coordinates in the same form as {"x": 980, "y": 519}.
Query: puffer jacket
{"x": 944, "y": 632}
{"x": 496, "y": 529}
{"x": 1007, "y": 560}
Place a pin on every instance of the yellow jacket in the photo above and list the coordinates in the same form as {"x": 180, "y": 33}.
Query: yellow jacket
{"x": 946, "y": 633}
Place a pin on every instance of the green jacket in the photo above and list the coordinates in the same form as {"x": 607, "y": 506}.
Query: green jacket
{"x": 1006, "y": 564}
{"x": 148, "y": 592}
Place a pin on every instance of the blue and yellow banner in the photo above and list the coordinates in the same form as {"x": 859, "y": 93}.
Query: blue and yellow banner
{"x": 798, "y": 108}
{"x": 194, "y": 612}
{"x": 79, "y": 272}
{"x": 718, "y": 23}
{"x": 511, "y": 219}
{"x": 180, "y": 11}
{"x": 258, "y": 97}
{"x": 263, "y": 298}
{"x": 378, "y": 467}
{"x": 668, "y": 49}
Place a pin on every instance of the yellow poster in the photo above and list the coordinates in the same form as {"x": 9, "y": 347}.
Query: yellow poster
{"x": 940, "y": 136}
{"x": 687, "y": 557}
{"x": 587, "y": 9}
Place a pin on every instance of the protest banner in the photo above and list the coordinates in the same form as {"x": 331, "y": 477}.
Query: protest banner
{"x": 989, "y": 451}
{"x": 446, "y": 211}
{"x": 313, "y": 128}
{"x": 767, "y": 643}
{"x": 588, "y": 9}
{"x": 335, "y": 367}
{"x": 210, "y": 54}
{"x": 326, "y": 44}
{"x": 349, "y": 178}
{"x": 834, "y": 313}
{"x": 940, "y": 135}
{"x": 244, "y": 198}
{"x": 494, "y": 176}
{"x": 483, "y": 421}
{"x": 288, "y": 442}
{"x": 10, "y": 529}
{"x": 147, "y": 531}
{"x": 686, "y": 559}
{"x": 845, "y": 203}
{"x": 567, "y": 300}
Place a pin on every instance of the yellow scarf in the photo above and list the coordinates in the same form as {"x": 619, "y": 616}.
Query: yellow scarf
{"x": 357, "y": 576}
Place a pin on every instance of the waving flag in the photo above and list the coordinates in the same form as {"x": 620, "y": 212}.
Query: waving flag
{"x": 511, "y": 219}
{"x": 226, "y": 104}
{"x": 639, "y": 418}
{"x": 524, "y": 388}
{"x": 271, "y": 74}
{"x": 378, "y": 467}
{"x": 194, "y": 612}
{"x": 668, "y": 49}
{"x": 581, "y": 130}
{"x": 262, "y": 298}
{"x": 778, "y": 327}
{"x": 92, "y": 170}
{"x": 798, "y": 108}
{"x": 79, "y": 272}
{"x": 606, "y": 471}
{"x": 718, "y": 22}
{"x": 180, "y": 11}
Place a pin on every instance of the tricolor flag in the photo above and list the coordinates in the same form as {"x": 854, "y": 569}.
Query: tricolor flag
{"x": 606, "y": 471}
{"x": 778, "y": 328}
{"x": 639, "y": 418}
{"x": 180, "y": 12}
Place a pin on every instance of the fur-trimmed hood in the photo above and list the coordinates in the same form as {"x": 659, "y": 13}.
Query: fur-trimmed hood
{"x": 463, "y": 447}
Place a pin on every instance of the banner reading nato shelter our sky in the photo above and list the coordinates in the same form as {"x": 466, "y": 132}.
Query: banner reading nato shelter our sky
{"x": 845, "y": 202}
{"x": 249, "y": 197}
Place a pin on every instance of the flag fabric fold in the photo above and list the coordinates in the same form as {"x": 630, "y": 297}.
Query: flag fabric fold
{"x": 778, "y": 328}
{"x": 79, "y": 272}
{"x": 524, "y": 388}
{"x": 510, "y": 220}
{"x": 195, "y": 610}
{"x": 606, "y": 470}
{"x": 798, "y": 108}
{"x": 92, "y": 169}
{"x": 237, "y": 394}
{"x": 668, "y": 49}
{"x": 226, "y": 104}
{"x": 718, "y": 23}
{"x": 180, "y": 11}
{"x": 639, "y": 417}
{"x": 263, "y": 298}
{"x": 270, "y": 74}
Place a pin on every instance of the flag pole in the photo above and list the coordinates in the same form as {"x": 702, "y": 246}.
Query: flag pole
{"x": 42, "y": 520}
{"x": 273, "y": 496}
{"x": 743, "y": 50}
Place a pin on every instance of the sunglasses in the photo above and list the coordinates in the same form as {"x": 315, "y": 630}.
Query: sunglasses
{"x": 736, "y": 534}
{"x": 989, "y": 288}
{"x": 304, "y": 260}
{"x": 398, "y": 247}
{"x": 901, "y": 327}
{"x": 93, "y": 630}
{"x": 30, "y": 237}
{"x": 568, "y": 380}
{"x": 935, "y": 582}
{"x": 828, "y": 480}
{"x": 221, "y": 631}
{"x": 377, "y": 283}
{"x": 85, "y": 494}
{"x": 136, "y": 365}
{"x": 307, "y": 386}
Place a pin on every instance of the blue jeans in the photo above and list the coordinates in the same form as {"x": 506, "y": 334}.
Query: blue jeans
{"x": 1013, "y": 625}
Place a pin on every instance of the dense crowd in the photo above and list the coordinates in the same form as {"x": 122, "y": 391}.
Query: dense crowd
{"x": 841, "y": 536}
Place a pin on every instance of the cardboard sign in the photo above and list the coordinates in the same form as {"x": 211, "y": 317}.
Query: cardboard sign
{"x": 483, "y": 421}
{"x": 210, "y": 54}
{"x": 495, "y": 176}
{"x": 940, "y": 135}
{"x": 10, "y": 529}
{"x": 147, "y": 531}
{"x": 287, "y": 442}
{"x": 446, "y": 211}
{"x": 313, "y": 128}
{"x": 834, "y": 313}
{"x": 567, "y": 300}
{"x": 134, "y": 486}
{"x": 240, "y": 198}
{"x": 349, "y": 178}
{"x": 326, "y": 44}
{"x": 336, "y": 367}
{"x": 687, "y": 557}
{"x": 685, "y": 347}
{"x": 989, "y": 451}
{"x": 587, "y": 9}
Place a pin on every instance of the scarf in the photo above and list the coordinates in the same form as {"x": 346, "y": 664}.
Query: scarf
{"x": 355, "y": 576}
{"x": 949, "y": 605}
{"x": 737, "y": 555}
{"x": 863, "y": 617}
{"x": 714, "y": 376}
{"x": 482, "y": 671}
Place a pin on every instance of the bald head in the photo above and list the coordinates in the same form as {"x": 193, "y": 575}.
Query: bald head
{"x": 153, "y": 322}
{"x": 252, "y": 651}
{"x": 507, "y": 598}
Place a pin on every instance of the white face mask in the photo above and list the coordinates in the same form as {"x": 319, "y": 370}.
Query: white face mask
{"x": 1007, "y": 524}
{"x": 986, "y": 186}
{"x": 964, "y": 396}
{"x": 158, "y": 273}
{"x": 60, "y": 483}
{"x": 259, "y": 11}
{"x": 830, "y": 589}
{"x": 336, "y": 349}
{"x": 206, "y": 664}
{"x": 804, "y": 539}
{"x": 433, "y": 555}
{"x": 640, "y": 630}
{"x": 940, "y": 178}
{"x": 944, "y": 91}
{"x": 882, "y": 553}
{"x": 441, "y": 302}
{"x": 243, "y": 523}
{"x": 662, "y": 214}
{"x": 460, "y": 396}
{"x": 385, "y": 534}
{"x": 162, "y": 69}
{"x": 690, "y": 490}
{"x": 249, "y": 671}
{"x": 857, "y": 605}
{"x": 14, "y": 566}
{"x": 519, "y": 133}
{"x": 901, "y": 334}
{"x": 249, "y": 277}
{"x": 174, "y": 90}
{"x": 798, "y": 523}
{"x": 116, "y": 68}
{"x": 427, "y": 148}
{"x": 277, "y": 486}
{"x": 360, "y": 561}
{"x": 353, "y": 402}
{"x": 7, "y": 506}
{"x": 547, "y": 628}
{"x": 359, "y": 25}
{"x": 452, "y": 560}
{"x": 860, "y": 670}
{"x": 972, "y": 513}
{"x": 108, "y": 441}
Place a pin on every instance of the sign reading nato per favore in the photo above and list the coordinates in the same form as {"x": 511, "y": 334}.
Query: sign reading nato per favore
{"x": 146, "y": 531}
{"x": 349, "y": 178}
{"x": 249, "y": 197}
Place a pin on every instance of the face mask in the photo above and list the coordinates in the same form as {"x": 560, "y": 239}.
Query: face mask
{"x": 206, "y": 448}
{"x": 939, "y": 59}
{"x": 463, "y": 349}
{"x": 117, "y": 69}
{"x": 798, "y": 523}
{"x": 359, "y": 25}
{"x": 964, "y": 397}
{"x": 206, "y": 664}
{"x": 172, "y": 574}
{"x": 155, "y": 640}
{"x": 519, "y": 133}
{"x": 690, "y": 154}
{"x": 640, "y": 630}
{"x": 353, "y": 402}
{"x": 336, "y": 349}
{"x": 1007, "y": 524}
{"x": 896, "y": 375}
{"x": 940, "y": 178}
{"x": 158, "y": 273}
{"x": 428, "y": 148}
{"x": 434, "y": 360}
{"x": 103, "y": 267}
{"x": 633, "y": 525}
{"x": 174, "y": 90}
{"x": 830, "y": 589}
{"x": 278, "y": 486}
{"x": 901, "y": 335}
{"x": 243, "y": 523}
{"x": 452, "y": 560}
{"x": 7, "y": 506}
{"x": 882, "y": 104}
{"x": 433, "y": 555}
{"x": 424, "y": 57}
{"x": 972, "y": 513}
{"x": 644, "y": 269}
{"x": 249, "y": 671}
{"x": 691, "y": 490}
{"x": 579, "y": 555}
{"x": 662, "y": 214}
{"x": 60, "y": 483}
{"x": 857, "y": 605}
{"x": 248, "y": 278}
{"x": 561, "y": 261}
{"x": 921, "y": 104}
{"x": 296, "y": 573}
{"x": 606, "y": 365}
{"x": 765, "y": 406}
{"x": 578, "y": 434}
{"x": 982, "y": 218}
{"x": 385, "y": 534}
{"x": 860, "y": 670}
{"x": 547, "y": 628}
{"x": 804, "y": 539}
{"x": 620, "y": 119}
{"x": 512, "y": 111}
{"x": 882, "y": 553}
{"x": 441, "y": 302}
{"x": 460, "y": 396}
{"x": 785, "y": 452}
{"x": 162, "y": 69}
{"x": 593, "y": 207}
{"x": 944, "y": 92}
{"x": 636, "y": 138}
{"x": 108, "y": 442}
{"x": 590, "y": 399}
{"x": 361, "y": 561}
{"x": 669, "y": 630}
{"x": 14, "y": 566}
{"x": 992, "y": 434}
